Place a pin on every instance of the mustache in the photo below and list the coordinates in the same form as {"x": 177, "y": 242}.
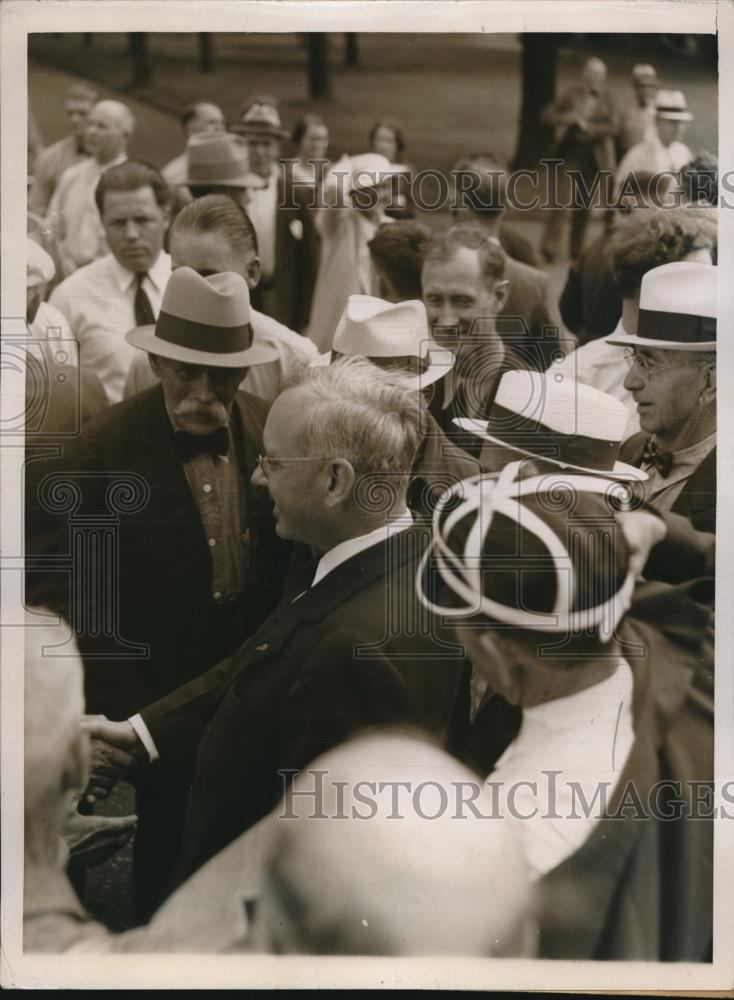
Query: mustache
{"x": 193, "y": 408}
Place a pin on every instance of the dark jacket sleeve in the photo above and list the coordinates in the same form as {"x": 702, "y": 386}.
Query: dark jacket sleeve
{"x": 571, "y": 304}
{"x": 684, "y": 554}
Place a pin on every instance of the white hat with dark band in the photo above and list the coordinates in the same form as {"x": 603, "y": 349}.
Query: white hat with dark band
{"x": 204, "y": 321}
{"x": 678, "y": 309}
{"x": 569, "y": 424}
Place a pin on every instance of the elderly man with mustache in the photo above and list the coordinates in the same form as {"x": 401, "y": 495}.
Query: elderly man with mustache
{"x": 191, "y": 562}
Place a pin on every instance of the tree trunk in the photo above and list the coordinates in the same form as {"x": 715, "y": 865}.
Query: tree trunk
{"x": 141, "y": 58}
{"x": 351, "y": 49}
{"x": 318, "y": 65}
{"x": 206, "y": 52}
{"x": 535, "y": 140}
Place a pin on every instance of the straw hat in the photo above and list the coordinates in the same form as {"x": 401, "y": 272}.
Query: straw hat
{"x": 678, "y": 309}
{"x": 572, "y": 425}
{"x": 390, "y": 335}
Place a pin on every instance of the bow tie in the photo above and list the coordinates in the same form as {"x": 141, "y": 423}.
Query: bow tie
{"x": 662, "y": 460}
{"x": 189, "y": 445}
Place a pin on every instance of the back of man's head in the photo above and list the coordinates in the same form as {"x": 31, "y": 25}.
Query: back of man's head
{"x": 480, "y": 185}
{"x": 397, "y": 863}
{"x": 117, "y": 112}
{"x": 397, "y": 249}
{"x": 221, "y": 215}
{"x": 363, "y": 414}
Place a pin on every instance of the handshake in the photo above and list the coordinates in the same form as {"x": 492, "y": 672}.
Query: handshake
{"x": 116, "y": 753}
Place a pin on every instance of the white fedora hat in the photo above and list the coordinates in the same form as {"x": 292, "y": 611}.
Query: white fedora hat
{"x": 391, "y": 335}
{"x": 204, "y": 321}
{"x": 678, "y": 309}
{"x": 572, "y": 425}
{"x": 218, "y": 158}
{"x": 671, "y": 104}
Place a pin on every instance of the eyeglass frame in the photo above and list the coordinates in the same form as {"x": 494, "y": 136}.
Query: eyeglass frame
{"x": 633, "y": 360}
{"x": 264, "y": 461}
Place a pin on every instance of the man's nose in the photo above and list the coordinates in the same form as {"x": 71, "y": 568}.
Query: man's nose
{"x": 203, "y": 388}
{"x": 132, "y": 231}
{"x": 633, "y": 380}
{"x": 258, "y": 477}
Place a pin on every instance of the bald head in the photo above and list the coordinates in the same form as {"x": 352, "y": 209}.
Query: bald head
{"x": 109, "y": 127}
{"x": 595, "y": 73}
{"x": 397, "y": 868}
{"x": 55, "y": 749}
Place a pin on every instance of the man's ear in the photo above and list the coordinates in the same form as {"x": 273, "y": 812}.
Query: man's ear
{"x": 502, "y": 294}
{"x": 708, "y": 395}
{"x": 253, "y": 273}
{"x": 341, "y": 481}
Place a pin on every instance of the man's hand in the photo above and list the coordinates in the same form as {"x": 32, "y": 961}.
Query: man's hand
{"x": 642, "y": 530}
{"x": 116, "y": 752}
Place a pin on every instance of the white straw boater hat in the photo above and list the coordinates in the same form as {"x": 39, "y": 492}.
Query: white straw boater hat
{"x": 392, "y": 335}
{"x": 545, "y": 415}
{"x": 204, "y": 321}
{"x": 504, "y": 547}
{"x": 678, "y": 309}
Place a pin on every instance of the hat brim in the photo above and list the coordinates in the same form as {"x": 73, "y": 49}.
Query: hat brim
{"x": 250, "y": 128}
{"x": 675, "y": 116}
{"x": 632, "y": 340}
{"x": 621, "y": 470}
{"x": 436, "y": 369}
{"x": 144, "y": 338}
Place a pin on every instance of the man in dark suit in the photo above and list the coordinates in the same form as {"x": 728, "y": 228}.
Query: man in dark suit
{"x": 608, "y": 718}
{"x": 173, "y": 552}
{"x": 672, "y": 379}
{"x": 349, "y": 648}
{"x": 282, "y": 214}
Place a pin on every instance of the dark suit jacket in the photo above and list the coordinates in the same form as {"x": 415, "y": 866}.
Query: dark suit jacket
{"x": 641, "y": 889}
{"x": 697, "y": 499}
{"x": 287, "y": 295}
{"x": 591, "y": 305}
{"x": 163, "y": 569}
{"x": 439, "y": 464}
{"x": 355, "y": 651}
{"x": 530, "y": 324}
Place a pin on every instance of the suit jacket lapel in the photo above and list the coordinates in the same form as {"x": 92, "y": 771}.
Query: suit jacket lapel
{"x": 702, "y": 484}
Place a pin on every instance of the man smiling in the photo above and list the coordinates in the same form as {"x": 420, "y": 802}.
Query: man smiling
{"x": 672, "y": 378}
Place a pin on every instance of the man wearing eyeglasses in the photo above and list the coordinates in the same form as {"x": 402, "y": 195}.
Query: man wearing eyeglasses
{"x": 348, "y": 648}
{"x": 672, "y": 378}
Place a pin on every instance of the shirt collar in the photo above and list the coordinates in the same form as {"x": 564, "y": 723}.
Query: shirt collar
{"x": 694, "y": 454}
{"x": 159, "y": 273}
{"x": 597, "y": 703}
{"x": 352, "y": 546}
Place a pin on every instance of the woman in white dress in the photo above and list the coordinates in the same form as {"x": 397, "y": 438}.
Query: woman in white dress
{"x": 356, "y": 191}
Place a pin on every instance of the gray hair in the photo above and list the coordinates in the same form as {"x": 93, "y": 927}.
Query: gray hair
{"x": 364, "y": 414}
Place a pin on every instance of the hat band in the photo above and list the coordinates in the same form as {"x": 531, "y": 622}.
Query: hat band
{"x": 679, "y": 327}
{"x": 213, "y": 173}
{"x": 570, "y": 449}
{"x": 202, "y": 336}
{"x": 417, "y": 366}
{"x": 667, "y": 109}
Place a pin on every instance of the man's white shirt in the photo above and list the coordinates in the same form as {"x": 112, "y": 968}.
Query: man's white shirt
{"x": 262, "y": 211}
{"x": 98, "y": 302}
{"x": 586, "y": 738}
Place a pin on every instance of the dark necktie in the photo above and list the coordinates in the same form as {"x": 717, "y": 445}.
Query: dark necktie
{"x": 144, "y": 315}
{"x": 189, "y": 445}
{"x": 662, "y": 460}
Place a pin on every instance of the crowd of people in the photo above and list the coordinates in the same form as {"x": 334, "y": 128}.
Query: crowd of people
{"x": 384, "y": 573}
